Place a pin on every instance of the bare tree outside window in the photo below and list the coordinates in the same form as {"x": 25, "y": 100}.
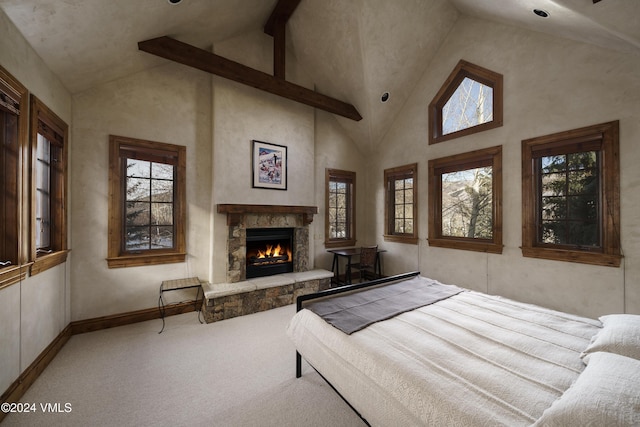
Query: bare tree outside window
{"x": 149, "y": 215}
{"x": 466, "y": 194}
{"x": 147, "y": 202}
{"x": 469, "y": 101}
{"x": 465, "y": 208}
{"x": 470, "y": 105}
{"x": 467, "y": 203}
{"x": 340, "y": 208}
{"x": 401, "y": 204}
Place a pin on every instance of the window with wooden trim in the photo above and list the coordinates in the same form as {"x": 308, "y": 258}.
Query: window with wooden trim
{"x": 13, "y": 204}
{"x": 469, "y": 101}
{"x": 49, "y": 185}
{"x": 401, "y": 204}
{"x": 340, "y": 208}
{"x": 146, "y": 202}
{"x": 571, "y": 196}
{"x": 465, "y": 201}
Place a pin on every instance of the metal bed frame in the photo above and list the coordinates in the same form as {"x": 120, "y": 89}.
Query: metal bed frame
{"x": 336, "y": 291}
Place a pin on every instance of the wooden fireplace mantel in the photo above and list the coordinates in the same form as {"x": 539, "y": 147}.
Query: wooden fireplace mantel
{"x": 235, "y": 212}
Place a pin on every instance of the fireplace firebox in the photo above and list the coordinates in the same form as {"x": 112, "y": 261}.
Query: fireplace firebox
{"x": 269, "y": 251}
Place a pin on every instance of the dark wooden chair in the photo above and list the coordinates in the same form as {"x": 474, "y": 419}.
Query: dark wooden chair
{"x": 366, "y": 262}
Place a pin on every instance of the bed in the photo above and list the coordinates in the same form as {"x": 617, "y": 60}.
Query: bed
{"x": 469, "y": 358}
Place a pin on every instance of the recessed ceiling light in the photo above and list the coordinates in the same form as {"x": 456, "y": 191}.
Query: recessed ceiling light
{"x": 174, "y": 1}
{"x": 384, "y": 97}
{"x": 541, "y": 13}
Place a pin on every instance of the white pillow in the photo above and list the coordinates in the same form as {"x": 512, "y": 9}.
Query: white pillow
{"x": 620, "y": 334}
{"x": 605, "y": 394}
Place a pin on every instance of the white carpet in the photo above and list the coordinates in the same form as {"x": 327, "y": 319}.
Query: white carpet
{"x": 237, "y": 372}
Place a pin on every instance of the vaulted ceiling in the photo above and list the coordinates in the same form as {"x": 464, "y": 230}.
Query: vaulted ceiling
{"x": 354, "y": 50}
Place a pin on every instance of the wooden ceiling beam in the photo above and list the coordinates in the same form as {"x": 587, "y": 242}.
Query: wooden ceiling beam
{"x": 275, "y": 27}
{"x": 282, "y": 12}
{"x": 279, "y": 50}
{"x": 183, "y": 53}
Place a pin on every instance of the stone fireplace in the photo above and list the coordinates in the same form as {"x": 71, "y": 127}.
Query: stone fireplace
{"x": 243, "y": 293}
{"x": 264, "y": 220}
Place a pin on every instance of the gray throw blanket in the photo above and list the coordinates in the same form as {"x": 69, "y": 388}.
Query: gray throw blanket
{"x": 353, "y": 312}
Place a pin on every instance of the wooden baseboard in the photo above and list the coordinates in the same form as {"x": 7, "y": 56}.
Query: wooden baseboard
{"x": 111, "y": 321}
{"x": 28, "y": 377}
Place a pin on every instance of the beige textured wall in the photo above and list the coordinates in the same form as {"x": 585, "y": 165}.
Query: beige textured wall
{"x": 242, "y": 114}
{"x": 170, "y": 104}
{"x": 550, "y": 85}
{"x": 334, "y": 150}
{"x": 217, "y": 120}
{"x": 34, "y": 312}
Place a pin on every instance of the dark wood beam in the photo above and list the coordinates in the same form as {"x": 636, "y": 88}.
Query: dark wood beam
{"x": 282, "y": 12}
{"x": 183, "y": 53}
{"x": 275, "y": 27}
{"x": 279, "y": 50}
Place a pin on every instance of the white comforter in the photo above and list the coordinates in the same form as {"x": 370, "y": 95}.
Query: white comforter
{"x": 470, "y": 360}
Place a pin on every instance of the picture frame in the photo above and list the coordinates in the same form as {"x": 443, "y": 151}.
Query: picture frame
{"x": 269, "y": 165}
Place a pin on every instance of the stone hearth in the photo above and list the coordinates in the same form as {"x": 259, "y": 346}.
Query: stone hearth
{"x": 227, "y": 300}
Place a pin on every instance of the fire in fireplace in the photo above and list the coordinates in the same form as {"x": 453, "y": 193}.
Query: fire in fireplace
{"x": 269, "y": 251}
{"x": 270, "y": 255}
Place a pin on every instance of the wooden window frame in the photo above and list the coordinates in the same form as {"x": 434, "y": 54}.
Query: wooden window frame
{"x": 117, "y": 256}
{"x": 603, "y": 138}
{"x": 463, "y": 70}
{"x": 479, "y": 158}
{"x": 14, "y": 97}
{"x": 45, "y": 122}
{"x": 350, "y": 178}
{"x": 390, "y": 176}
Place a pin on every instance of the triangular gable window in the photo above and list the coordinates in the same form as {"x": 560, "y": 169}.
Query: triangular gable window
{"x": 470, "y": 101}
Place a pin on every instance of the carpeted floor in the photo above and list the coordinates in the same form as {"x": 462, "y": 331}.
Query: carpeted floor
{"x": 238, "y": 372}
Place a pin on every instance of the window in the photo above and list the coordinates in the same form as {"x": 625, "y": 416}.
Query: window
{"x": 401, "y": 204}
{"x": 465, "y": 201}
{"x": 340, "y": 212}
{"x": 470, "y": 101}
{"x": 49, "y": 166}
{"x": 571, "y": 196}
{"x": 13, "y": 140}
{"x": 146, "y": 202}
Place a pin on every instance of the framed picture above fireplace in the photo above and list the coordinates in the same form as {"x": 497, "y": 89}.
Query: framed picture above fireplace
{"x": 269, "y": 165}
